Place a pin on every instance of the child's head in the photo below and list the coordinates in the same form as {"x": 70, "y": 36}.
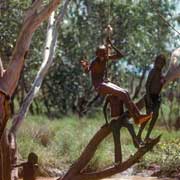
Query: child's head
{"x": 101, "y": 52}
{"x": 160, "y": 61}
{"x": 32, "y": 158}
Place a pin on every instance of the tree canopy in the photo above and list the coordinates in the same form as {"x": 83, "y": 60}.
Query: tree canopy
{"x": 138, "y": 30}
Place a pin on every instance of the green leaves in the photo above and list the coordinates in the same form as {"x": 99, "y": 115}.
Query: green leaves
{"x": 137, "y": 30}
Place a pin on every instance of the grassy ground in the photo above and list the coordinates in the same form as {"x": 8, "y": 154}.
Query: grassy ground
{"x": 59, "y": 143}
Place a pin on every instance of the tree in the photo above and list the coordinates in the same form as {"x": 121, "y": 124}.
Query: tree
{"x": 8, "y": 83}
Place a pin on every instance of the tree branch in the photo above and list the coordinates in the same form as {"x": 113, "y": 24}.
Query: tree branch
{"x": 76, "y": 170}
{"x": 121, "y": 167}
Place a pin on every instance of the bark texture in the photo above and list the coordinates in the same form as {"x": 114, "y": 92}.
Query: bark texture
{"x": 33, "y": 17}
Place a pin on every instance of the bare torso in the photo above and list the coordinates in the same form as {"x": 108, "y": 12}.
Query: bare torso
{"x": 156, "y": 82}
{"x": 116, "y": 106}
{"x": 98, "y": 70}
{"x": 29, "y": 171}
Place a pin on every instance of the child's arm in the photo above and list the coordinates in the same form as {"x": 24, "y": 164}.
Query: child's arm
{"x": 118, "y": 54}
{"x": 36, "y": 166}
{"x": 17, "y": 165}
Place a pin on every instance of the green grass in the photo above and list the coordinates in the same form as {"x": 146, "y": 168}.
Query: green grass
{"x": 60, "y": 142}
{"x": 166, "y": 153}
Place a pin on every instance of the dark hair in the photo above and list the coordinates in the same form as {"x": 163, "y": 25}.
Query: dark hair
{"x": 160, "y": 57}
{"x": 32, "y": 158}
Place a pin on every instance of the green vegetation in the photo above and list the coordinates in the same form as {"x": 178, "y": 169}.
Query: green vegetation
{"x": 59, "y": 143}
{"x": 137, "y": 30}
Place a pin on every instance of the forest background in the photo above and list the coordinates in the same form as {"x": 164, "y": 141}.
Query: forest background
{"x": 138, "y": 30}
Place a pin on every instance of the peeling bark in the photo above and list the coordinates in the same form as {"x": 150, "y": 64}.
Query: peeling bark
{"x": 49, "y": 51}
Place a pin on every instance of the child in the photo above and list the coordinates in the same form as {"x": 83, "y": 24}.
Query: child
{"x": 154, "y": 84}
{"x": 98, "y": 69}
{"x": 29, "y": 167}
{"x": 118, "y": 120}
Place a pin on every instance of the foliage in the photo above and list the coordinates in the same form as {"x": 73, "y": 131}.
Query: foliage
{"x": 165, "y": 154}
{"x": 138, "y": 31}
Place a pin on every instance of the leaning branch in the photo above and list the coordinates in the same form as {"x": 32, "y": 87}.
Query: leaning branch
{"x": 121, "y": 167}
{"x": 76, "y": 170}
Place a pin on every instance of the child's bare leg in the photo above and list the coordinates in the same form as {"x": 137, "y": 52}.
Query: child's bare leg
{"x": 117, "y": 142}
{"x": 153, "y": 121}
{"x": 140, "y": 131}
{"x": 131, "y": 130}
{"x": 110, "y": 88}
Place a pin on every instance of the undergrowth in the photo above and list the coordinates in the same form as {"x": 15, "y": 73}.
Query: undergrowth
{"x": 59, "y": 142}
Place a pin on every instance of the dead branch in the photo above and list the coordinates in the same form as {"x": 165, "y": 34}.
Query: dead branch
{"x": 121, "y": 167}
{"x": 174, "y": 67}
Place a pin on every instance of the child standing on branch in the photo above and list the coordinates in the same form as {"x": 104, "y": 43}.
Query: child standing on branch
{"x": 104, "y": 87}
{"x": 154, "y": 85}
{"x": 118, "y": 119}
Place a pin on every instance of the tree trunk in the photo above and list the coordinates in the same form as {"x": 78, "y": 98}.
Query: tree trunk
{"x": 49, "y": 50}
{"x": 8, "y": 83}
{"x": 32, "y": 21}
{"x": 5, "y": 157}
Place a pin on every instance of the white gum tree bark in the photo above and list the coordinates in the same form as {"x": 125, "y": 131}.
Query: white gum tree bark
{"x": 49, "y": 51}
{"x": 33, "y": 18}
